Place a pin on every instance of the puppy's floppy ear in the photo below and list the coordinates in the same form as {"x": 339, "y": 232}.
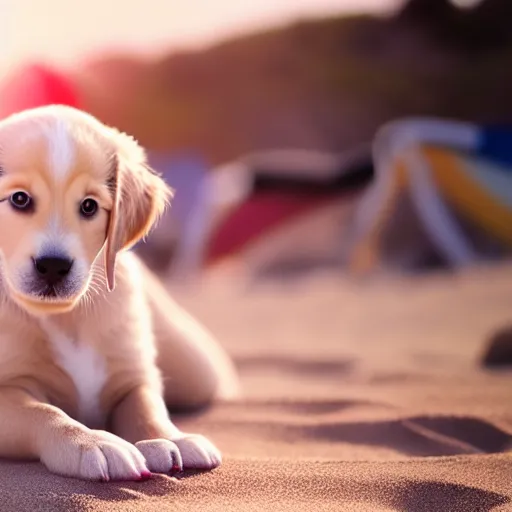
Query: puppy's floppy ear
{"x": 140, "y": 197}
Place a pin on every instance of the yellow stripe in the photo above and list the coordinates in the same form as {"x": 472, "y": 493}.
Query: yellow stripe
{"x": 467, "y": 196}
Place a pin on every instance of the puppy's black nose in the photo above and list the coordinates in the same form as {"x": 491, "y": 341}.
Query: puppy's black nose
{"x": 52, "y": 269}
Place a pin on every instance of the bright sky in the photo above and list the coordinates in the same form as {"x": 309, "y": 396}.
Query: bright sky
{"x": 62, "y": 30}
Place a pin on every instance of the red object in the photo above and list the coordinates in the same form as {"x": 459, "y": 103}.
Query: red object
{"x": 35, "y": 86}
{"x": 255, "y": 218}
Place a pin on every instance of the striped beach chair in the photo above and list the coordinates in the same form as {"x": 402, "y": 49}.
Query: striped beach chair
{"x": 457, "y": 178}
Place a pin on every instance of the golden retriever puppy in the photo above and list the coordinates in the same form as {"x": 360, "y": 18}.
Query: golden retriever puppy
{"x": 88, "y": 337}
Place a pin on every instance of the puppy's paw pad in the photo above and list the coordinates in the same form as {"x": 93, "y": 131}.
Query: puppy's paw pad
{"x": 162, "y": 455}
{"x": 197, "y": 452}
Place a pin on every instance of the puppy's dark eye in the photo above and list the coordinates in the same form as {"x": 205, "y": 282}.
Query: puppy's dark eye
{"x": 88, "y": 207}
{"x": 21, "y": 201}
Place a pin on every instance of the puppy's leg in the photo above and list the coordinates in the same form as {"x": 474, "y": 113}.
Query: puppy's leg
{"x": 195, "y": 368}
{"x": 33, "y": 429}
{"x": 142, "y": 418}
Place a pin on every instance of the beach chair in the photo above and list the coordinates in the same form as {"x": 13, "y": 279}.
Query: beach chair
{"x": 457, "y": 179}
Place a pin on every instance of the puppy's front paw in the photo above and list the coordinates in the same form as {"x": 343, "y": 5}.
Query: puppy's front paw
{"x": 95, "y": 455}
{"x": 197, "y": 452}
{"x": 162, "y": 456}
{"x": 189, "y": 451}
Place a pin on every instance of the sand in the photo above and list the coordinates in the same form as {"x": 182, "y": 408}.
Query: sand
{"x": 358, "y": 397}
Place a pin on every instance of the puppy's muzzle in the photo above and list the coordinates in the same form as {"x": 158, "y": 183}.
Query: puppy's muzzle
{"x": 52, "y": 270}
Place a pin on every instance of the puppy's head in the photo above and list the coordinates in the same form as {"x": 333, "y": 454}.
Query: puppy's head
{"x": 71, "y": 189}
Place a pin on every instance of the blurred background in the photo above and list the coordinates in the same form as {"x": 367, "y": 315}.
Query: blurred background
{"x": 266, "y": 118}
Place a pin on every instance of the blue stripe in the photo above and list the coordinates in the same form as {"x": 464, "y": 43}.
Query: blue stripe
{"x": 496, "y": 144}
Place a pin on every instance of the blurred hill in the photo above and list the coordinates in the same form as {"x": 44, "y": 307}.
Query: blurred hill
{"x": 324, "y": 84}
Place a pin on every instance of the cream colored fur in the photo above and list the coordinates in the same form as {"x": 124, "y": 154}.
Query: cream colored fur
{"x": 85, "y": 378}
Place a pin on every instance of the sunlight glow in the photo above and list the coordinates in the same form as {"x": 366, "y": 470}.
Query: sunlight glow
{"x": 63, "y": 30}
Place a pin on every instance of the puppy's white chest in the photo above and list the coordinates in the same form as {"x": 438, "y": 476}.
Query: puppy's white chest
{"x": 86, "y": 368}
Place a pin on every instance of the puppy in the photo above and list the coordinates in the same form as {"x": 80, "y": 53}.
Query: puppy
{"x": 88, "y": 336}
